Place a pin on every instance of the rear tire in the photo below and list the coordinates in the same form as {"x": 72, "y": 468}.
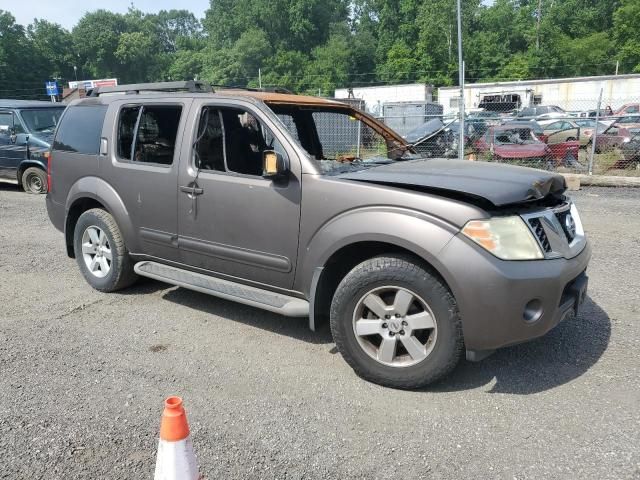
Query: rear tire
{"x": 419, "y": 341}
{"x": 101, "y": 253}
{"x": 34, "y": 180}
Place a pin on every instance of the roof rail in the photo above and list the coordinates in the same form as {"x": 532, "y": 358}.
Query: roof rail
{"x": 191, "y": 86}
{"x": 253, "y": 89}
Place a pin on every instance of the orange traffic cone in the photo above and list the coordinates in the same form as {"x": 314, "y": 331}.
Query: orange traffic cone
{"x": 176, "y": 460}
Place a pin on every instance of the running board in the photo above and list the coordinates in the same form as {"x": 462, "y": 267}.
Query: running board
{"x": 256, "y": 297}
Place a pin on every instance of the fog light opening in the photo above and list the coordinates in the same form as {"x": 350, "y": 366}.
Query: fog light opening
{"x": 532, "y": 311}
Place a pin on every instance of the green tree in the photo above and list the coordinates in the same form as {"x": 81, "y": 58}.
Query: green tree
{"x": 626, "y": 33}
{"x": 96, "y": 38}
{"x": 17, "y": 78}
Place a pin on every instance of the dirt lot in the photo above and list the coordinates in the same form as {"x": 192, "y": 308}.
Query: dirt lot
{"x": 83, "y": 376}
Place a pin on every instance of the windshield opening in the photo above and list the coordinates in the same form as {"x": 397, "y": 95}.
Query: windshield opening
{"x": 337, "y": 138}
{"x": 41, "y": 119}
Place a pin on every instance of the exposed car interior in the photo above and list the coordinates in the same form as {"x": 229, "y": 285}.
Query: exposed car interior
{"x": 232, "y": 140}
{"x": 148, "y": 133}
{"x": 515, "y": 136}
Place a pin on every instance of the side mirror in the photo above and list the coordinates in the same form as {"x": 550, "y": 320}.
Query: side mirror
{"x": 274, "y": 164}
{"x": 12, "y": 135}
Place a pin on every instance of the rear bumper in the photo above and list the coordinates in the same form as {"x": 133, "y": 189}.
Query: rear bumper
{"x": 56, "y": 213}
{"x": 503, "y": 303}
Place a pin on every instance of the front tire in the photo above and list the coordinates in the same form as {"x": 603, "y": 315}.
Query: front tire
{"x": 34, "y": 180}
{"x": 396, "y": 323}
{"x": 101, "y": 253}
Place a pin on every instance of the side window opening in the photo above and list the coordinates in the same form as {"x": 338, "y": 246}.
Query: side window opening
{"x": 148, "y": 133}
{"x": 233, "y": 140}
{"x": 17, "y": 125}
{"x": 6, "y": 123}
{"x": 209, "y": 148}
{"x": 126, "y": 130}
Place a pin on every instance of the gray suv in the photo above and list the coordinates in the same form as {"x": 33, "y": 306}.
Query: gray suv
{"x": 308, "y": 207}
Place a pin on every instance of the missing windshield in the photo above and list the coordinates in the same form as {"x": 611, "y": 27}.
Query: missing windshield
{"x": 339, "y": 138}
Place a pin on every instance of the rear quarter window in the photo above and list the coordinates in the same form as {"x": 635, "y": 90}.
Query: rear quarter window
{"x": 80, "y": 129}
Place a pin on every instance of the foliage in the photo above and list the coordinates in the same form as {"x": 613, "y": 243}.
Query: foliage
{"x": 318, "y": 45}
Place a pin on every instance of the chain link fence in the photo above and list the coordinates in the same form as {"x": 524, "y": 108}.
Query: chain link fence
{"x": 580, "y": 136}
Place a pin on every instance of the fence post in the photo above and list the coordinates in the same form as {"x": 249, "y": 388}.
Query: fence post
{"x": 594, "y": 137}
{"x": 461, "y": 82}
{"x": 359, "y": 135}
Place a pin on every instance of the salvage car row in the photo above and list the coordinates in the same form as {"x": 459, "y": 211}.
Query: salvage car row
{"x": 541, "y": 142}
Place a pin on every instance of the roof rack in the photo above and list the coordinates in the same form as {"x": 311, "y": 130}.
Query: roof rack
{"x": 191, "y": 86}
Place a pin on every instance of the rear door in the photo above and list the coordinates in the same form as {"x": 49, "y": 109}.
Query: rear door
{"x": 232, "y": 221}
{"x": 147, "y": 139}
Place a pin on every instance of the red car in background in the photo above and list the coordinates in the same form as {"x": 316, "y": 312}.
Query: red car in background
{"x": 612, "y": 137}
{"x": 514, "y": 143}
{"x": 557, "y": 153}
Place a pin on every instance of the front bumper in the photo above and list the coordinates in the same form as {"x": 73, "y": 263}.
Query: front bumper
{"x": 495, "y": 297}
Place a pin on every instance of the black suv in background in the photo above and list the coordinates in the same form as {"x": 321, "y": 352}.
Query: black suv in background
{"x": 26, "y": 132}
{"x": 308, "y": 207}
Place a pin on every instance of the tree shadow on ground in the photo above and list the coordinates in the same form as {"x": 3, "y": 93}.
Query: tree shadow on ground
{"x": 562, "y": 355}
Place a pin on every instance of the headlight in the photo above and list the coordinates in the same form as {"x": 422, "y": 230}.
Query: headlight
{"x": 508, "y": 238}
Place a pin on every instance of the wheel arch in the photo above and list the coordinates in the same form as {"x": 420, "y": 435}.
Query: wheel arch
{"x": 93, "y": 192}
{"x": 27, "y": 164}
{"x": 415, "y": 235}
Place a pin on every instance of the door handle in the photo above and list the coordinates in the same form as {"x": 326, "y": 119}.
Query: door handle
{"x": 191, "y": 190}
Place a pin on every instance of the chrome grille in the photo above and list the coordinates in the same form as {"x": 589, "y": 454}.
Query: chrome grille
{"x": 538, "y": 230}
{"x": 562, "y": 217}
{"x": 558, "y": 230}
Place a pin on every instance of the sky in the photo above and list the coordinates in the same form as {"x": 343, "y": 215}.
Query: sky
{"x": 68, "y": 12}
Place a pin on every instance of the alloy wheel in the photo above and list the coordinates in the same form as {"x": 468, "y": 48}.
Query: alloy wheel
{"x": 96, "y": 251}
{"x": 395, "y": 326}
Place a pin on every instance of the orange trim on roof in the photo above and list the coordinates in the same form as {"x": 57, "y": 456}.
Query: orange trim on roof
{"x": 272, "y": 97}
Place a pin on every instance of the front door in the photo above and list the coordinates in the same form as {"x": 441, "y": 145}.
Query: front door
{"x": 231, "y": 220}
{"x": 13, "y": 144}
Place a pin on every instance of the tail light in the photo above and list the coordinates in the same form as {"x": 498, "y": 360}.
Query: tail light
{"x": 543, "y": 138}
{"x": 48, "y": 156}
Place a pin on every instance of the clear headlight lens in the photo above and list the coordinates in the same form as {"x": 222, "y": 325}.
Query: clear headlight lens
{"x": 508, "y": 238}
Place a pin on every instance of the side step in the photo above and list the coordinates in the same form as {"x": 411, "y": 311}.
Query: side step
{"x": 256, "y": 297}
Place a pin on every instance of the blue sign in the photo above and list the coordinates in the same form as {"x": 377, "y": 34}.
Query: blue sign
{"x": 52, "y": 88}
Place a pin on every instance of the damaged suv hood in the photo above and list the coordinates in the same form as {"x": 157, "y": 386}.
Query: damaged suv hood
{"x": 499, "y": 184}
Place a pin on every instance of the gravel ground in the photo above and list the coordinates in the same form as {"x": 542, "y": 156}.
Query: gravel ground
{"x": 83, "y": 376}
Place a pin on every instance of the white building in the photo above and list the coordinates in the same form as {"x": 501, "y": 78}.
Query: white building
{"x": 376, "y": 97}
{"x": 572, "y": 94}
